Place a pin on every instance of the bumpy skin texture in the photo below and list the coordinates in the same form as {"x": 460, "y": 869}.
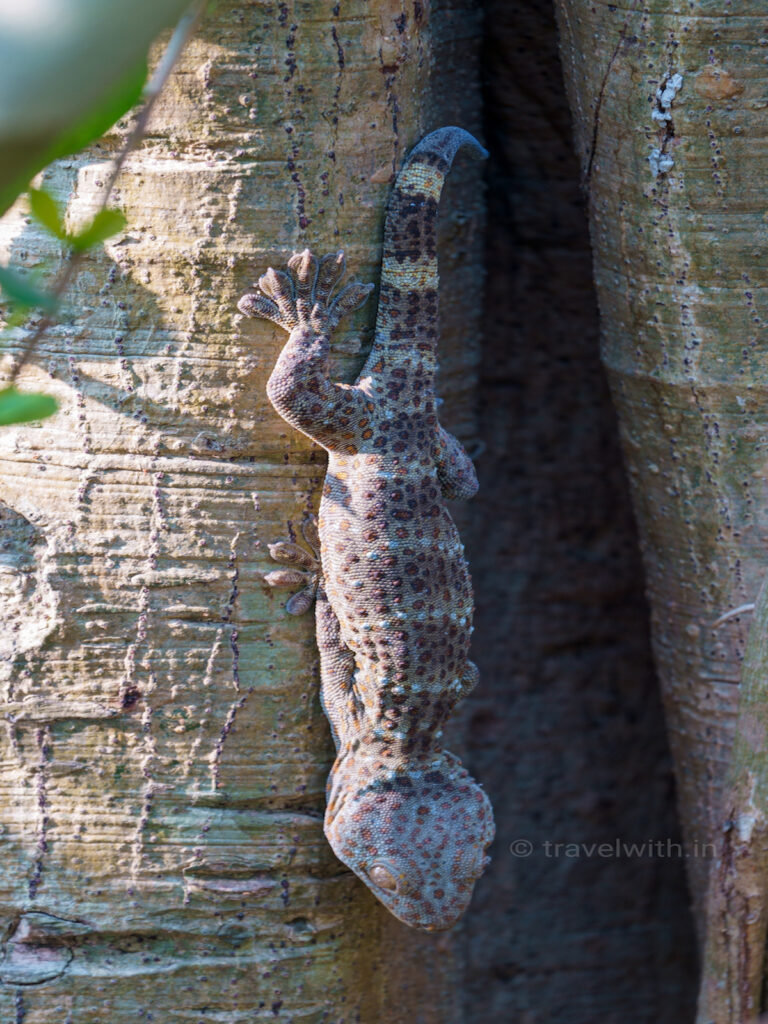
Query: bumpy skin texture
{"x": 394, "y": 597}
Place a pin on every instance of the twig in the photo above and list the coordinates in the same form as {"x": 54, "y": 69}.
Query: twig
{"x": 181, "y": 35}
{"x": 733, "y": 613}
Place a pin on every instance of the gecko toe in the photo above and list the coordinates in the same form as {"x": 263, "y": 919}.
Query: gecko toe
{"x": 304, "y": 267}
{"x": 301, "y": 602}
{"x": 291, "y": 554}
{"x": 349, "y": 299}
{"x": 331, "y": 270}
{"x": 255, "y": 305}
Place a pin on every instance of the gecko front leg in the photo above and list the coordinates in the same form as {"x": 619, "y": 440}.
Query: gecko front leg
{"x": 301, "y": 301}
{"x": 337, "y": 669}
{"x": 337, "y": 663}
{"x": 300, "y": 568}
{"x": 455, "y": 469}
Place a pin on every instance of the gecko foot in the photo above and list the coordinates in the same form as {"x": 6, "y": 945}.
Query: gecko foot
{"x": 304, "y": 568}
{"x": 303, "y": 295}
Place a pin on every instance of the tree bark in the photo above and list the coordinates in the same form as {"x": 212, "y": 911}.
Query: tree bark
{"x": 668, "y": 102}
{"x": 737, "y": 904}
{"x": 566, "y": 725}
{"x": 164, "y": 749}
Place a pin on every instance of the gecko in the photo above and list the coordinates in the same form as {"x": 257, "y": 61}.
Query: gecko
{"x": 393, "y": 594}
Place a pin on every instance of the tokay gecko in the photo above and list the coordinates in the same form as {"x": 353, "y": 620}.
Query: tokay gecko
{"x": 393, "y": 594}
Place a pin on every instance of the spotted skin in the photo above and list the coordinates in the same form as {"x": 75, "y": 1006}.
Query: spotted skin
{"x": 393, "y": 594}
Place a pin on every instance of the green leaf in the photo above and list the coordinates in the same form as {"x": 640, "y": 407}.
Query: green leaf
{"x": 23, "y": 293}
{"x": 14, "y": 317}
{"x": 45, "y": 210}
{"x": 22, "y": 407}
{"x": 122, "y": 95}
{"x": 23, "y": 159}
{"x": 105, "y": 224}
{"x": 67, "y": 72}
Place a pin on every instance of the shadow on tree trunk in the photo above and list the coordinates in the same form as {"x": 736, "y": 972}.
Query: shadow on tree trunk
{"x": 567, "y": 731}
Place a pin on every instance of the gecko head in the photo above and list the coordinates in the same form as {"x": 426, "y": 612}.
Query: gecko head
{"x": 418, "y": 842}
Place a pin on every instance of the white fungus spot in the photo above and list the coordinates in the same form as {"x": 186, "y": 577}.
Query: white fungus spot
{"x": 666, "y": 92}
{"x": 660, "y": 161}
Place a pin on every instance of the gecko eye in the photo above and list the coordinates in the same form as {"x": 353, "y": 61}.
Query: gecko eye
{"x": 383, "y": 877}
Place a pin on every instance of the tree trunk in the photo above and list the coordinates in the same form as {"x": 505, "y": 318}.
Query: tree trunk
{"x": 165, "y": 753}
{"x": 669, "y": 108}
{"x": 566, "y": 725}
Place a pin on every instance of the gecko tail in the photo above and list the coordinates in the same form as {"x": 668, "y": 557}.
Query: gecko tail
{"x": 410, "y": 230}
{"x": 445, "y": 143}
{"x": 407, "y": 315}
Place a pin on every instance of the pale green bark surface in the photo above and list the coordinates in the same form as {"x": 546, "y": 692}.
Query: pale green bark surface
{"x": 681, "y": 275}
{"x": 164, "y": 753}
{"x": 737, "y": 910}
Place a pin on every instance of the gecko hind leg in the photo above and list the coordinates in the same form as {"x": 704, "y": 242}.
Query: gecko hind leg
{"x": 307, "y": 300}
{"x": 302, "y": 294}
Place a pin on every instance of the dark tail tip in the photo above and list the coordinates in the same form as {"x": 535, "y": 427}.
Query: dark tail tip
{"x": 445, "y": 142}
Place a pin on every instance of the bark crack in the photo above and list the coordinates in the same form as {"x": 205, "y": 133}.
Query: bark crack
{"x": 43, "y": 743}
{"x": 601, "y": 94}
